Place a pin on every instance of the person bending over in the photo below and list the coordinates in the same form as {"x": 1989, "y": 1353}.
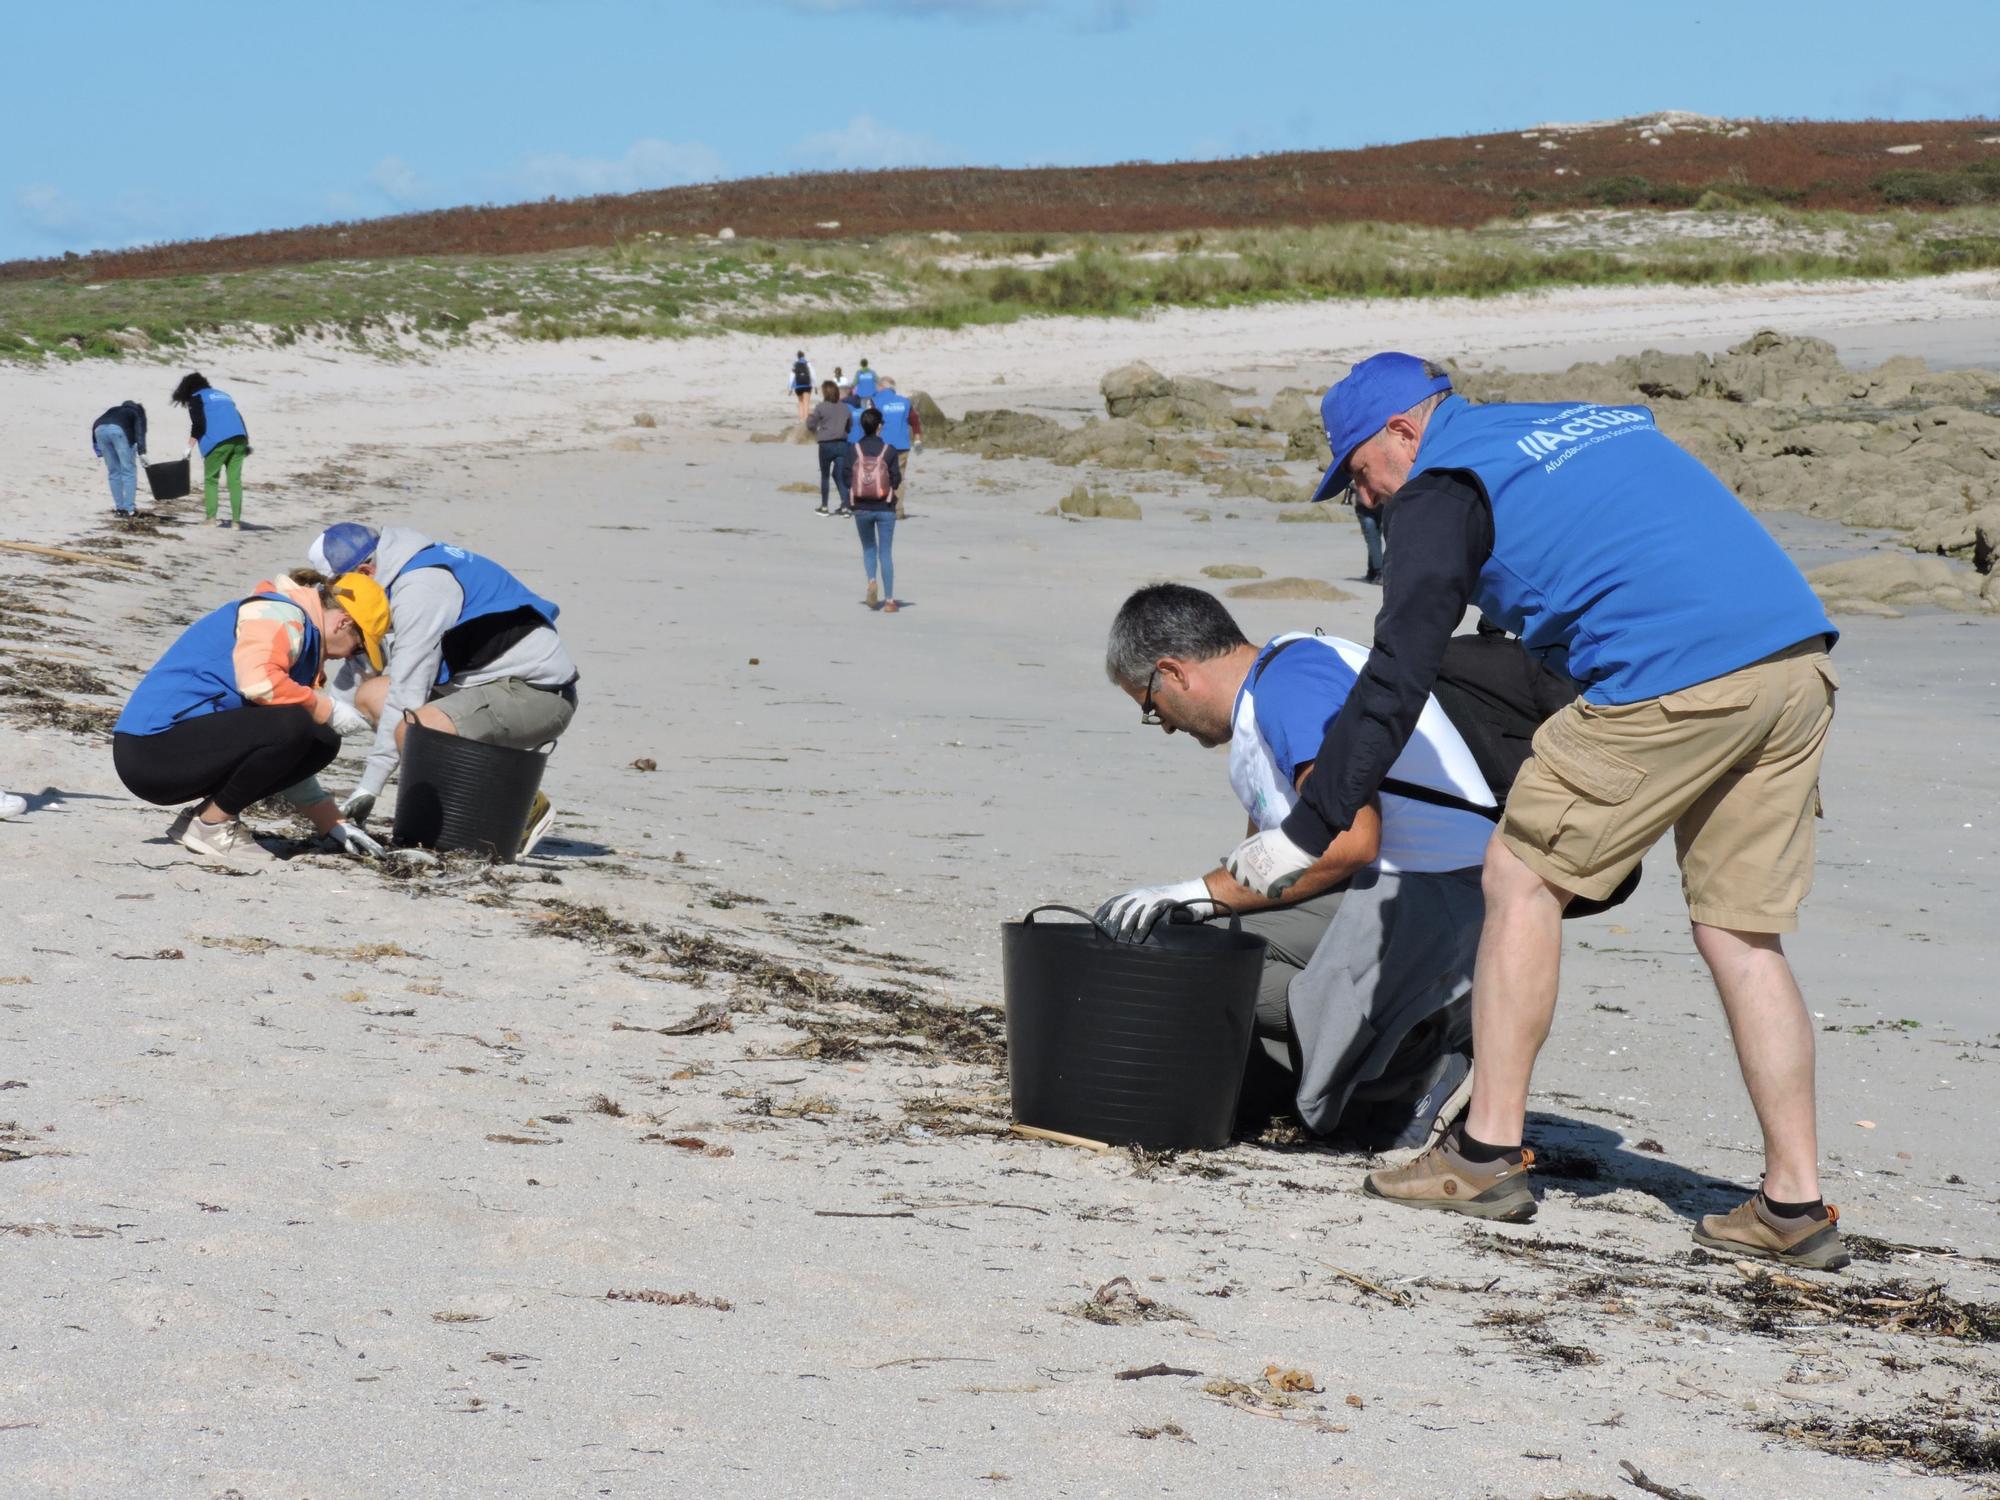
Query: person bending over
{"x": 235, "y": 712}
{"x": 1369, "y": 953}
{"x": 1707, "y": 695}
{"x": 475, "y": 652}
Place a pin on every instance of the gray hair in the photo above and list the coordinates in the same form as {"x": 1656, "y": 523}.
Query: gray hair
{"x": 1167, "y": 619}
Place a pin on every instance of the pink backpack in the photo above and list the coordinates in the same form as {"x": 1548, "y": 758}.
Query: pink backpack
{"x": 871, "y": 475}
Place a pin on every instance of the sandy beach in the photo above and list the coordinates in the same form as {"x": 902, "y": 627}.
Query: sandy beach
{"x": 333, "y": 1182}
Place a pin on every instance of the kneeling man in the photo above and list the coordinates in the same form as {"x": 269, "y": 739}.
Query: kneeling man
{"x": 1369, "y": 956}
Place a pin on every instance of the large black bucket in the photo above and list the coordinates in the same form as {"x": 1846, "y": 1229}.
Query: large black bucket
{"x": 169, "y": 481}
{"x": 457, "y": 794}
{"x": 1138, "y": 1044}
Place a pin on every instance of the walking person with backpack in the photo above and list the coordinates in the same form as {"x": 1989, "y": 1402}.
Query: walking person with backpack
{"x": 116, "y": 437}
{"x": 216, "y": 427}
{"x": 875, "y": 480}
{"x": 802, "y": 383}
{"x": 829, "y": 424}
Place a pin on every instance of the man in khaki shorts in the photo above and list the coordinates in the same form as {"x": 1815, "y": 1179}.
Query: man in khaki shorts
{"x": 1701, "y": 656}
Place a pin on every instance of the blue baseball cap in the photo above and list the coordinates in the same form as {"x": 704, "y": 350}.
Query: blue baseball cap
{"x": 1360, "y": 406}
{"x": 342, "y": 548}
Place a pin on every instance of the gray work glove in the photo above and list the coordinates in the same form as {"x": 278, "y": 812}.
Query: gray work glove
{"x": 1268, "y": 863}
{"x": 347, "y": 720}
{"x": 1128, "y": 914}
{"x": 356, "y": 806}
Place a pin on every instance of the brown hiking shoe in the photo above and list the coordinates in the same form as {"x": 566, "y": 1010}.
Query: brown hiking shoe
{"x": 1442, "y": 1179}
{"x": 1750, "y": 1229}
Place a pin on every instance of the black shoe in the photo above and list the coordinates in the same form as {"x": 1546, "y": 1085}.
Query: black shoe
{"x": 1374, "y": 577}
{"x": 822, "y": 511}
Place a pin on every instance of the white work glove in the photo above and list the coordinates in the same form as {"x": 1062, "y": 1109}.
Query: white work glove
{"x": 1125, "y": 915}
{"x": 356, "y": 806}
{"x": 345, "y": 838}
{"x": 1268, "y": 863}
{"x": 347, "y": 720}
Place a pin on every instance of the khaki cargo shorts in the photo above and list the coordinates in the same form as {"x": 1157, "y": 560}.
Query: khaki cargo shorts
{"x": 508, "y": 712}
{"x": 1731, "y": 765}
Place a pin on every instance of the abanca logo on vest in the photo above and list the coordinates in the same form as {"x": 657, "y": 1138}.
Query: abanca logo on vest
{"x": 1578, "y": 423}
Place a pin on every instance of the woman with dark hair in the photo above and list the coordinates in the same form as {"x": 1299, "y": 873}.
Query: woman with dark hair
{"x": 217, "y": 429}
{"x": 235, "y": 711}
{"x": 873, "y": 483}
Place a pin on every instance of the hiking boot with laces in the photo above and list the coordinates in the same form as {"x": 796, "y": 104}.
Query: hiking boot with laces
{"x": 1752, "y": 1231}
{"x": 1442, "y": 1179}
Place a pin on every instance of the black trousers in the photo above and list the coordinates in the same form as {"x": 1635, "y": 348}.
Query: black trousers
{"x": 834, "y": 463}
{"x": 234, "y": 758}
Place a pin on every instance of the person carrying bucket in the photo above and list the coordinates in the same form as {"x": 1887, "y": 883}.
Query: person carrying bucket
{"x": 235, "y": 712}
{"x": 216, "y": 427}
{"x": 1362, "y": 1010}
{"x": 475, "y": 653}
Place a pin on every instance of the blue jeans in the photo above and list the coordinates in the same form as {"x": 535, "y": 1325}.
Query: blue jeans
{"x": 878, "y": 536}
{"x": 833, "y": 464}
{"x": 1371, "y": 533}
{"x": 116, "y": 450}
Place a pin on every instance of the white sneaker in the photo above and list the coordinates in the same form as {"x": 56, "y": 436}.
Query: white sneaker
{"x": 12, "y": 806}
{"x": 230, "y": 840}
{"x": 180, "y": 823}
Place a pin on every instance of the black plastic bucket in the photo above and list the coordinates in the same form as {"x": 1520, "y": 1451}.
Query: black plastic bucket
{"x": 169, "y": 481}
{"x": 457, "y": 794}
{"x": 1139, "y": 1044}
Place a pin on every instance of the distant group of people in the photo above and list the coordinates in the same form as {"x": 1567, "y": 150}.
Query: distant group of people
{"x": 254, "y": 699}
{"x": 215, "y": 429}
{"x": 865, "y": 432}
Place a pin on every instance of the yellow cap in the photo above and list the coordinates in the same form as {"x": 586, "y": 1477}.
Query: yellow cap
{"x": 368, "y": 606}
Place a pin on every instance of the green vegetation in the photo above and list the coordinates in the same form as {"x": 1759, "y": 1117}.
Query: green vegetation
{"x": 659, "y": 286}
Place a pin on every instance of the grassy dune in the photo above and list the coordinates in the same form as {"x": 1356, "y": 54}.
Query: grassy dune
{"x": 661, "y": 286}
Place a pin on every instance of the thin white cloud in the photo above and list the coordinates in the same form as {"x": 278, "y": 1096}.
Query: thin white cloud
{"x": 49, "y": 210}
{"x": 396, "y": 180}
{"x": 645, "y": 164}
{"x": 865, "y": 141}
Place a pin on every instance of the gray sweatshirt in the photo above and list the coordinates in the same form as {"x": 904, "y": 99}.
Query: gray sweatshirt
{"x": 423, "y": 605}
{"x": 829, "y": 420}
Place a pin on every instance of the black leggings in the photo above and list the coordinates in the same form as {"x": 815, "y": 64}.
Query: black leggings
{"x": 233, "y": 758}
{"x": 833, "y": 463}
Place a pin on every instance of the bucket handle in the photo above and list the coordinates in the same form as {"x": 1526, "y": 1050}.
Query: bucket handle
{"x": 1179, "y": 911}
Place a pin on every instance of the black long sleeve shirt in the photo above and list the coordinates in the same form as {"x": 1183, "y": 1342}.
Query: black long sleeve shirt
{"x": 128, "y": 415}
{"x": 1439, "y": 532}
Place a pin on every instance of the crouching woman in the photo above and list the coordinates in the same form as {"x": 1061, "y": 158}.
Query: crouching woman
{"x": 234, "y": 712}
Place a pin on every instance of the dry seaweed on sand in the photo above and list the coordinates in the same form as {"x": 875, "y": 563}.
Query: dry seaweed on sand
{"x": 671, "y": 1299}
{"x": 25, "y": 676}
{"x": 1118, "y": 1303}
{"x": 1932, "y": 1435}
{"x": 1530, "y": 1334}
{"x": 1773, "y": 1302}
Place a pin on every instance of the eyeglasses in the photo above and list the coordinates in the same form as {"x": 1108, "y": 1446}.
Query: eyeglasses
{"x": 1148, "y": 714}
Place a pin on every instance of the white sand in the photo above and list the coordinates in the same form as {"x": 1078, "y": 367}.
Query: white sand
{"x": 248, "y": 1195}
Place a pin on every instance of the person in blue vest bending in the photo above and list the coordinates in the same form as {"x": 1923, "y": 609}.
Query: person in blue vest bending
{"x": 216, "y": 427}
{"x": 1362, "y": 1013}
{"x": 236, "y": 711}
{"x": 902, "y": 429}
{"x": 1701, "y": 656}
{"x": 475, "y": 652}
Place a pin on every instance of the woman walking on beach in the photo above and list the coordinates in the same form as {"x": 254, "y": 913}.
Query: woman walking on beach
{"x": 874, "y": 483}
{"x": 216, "y": 427}
{"x": 828, "y": 425}
{"x": 234, "y": 713}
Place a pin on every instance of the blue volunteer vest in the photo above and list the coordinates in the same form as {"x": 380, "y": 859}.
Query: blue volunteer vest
{"x": 198, "y": 674}
{"x": 854, "y": 409}
{"x": 864, "y": 383}
{"x": 895, "y": 409}
{"x": 1611, "y": 540}
{"x": 223, "y": 420}
{"x": 489, "y": 588}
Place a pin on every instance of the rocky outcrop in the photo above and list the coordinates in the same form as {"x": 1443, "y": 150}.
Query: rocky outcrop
{"x": 1101, "y": 504}
{"x": 1889, "y": 582}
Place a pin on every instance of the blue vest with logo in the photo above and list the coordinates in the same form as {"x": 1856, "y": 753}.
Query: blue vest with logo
{"x": 198, "y": 674}
{"x": 895, "y": 409}
{"x": 489, "y": 588}
{"x": 864, "y": 383}
{"x": 1613, "y": 541}
{"x": 855, "y": 407}
{"x": 221, "y": 416}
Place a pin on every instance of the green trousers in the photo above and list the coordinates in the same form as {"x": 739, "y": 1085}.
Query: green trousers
{"x": 226, "y": 455}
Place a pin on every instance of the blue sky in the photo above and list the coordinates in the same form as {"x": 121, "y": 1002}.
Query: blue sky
{"x": 127, "y": 123}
